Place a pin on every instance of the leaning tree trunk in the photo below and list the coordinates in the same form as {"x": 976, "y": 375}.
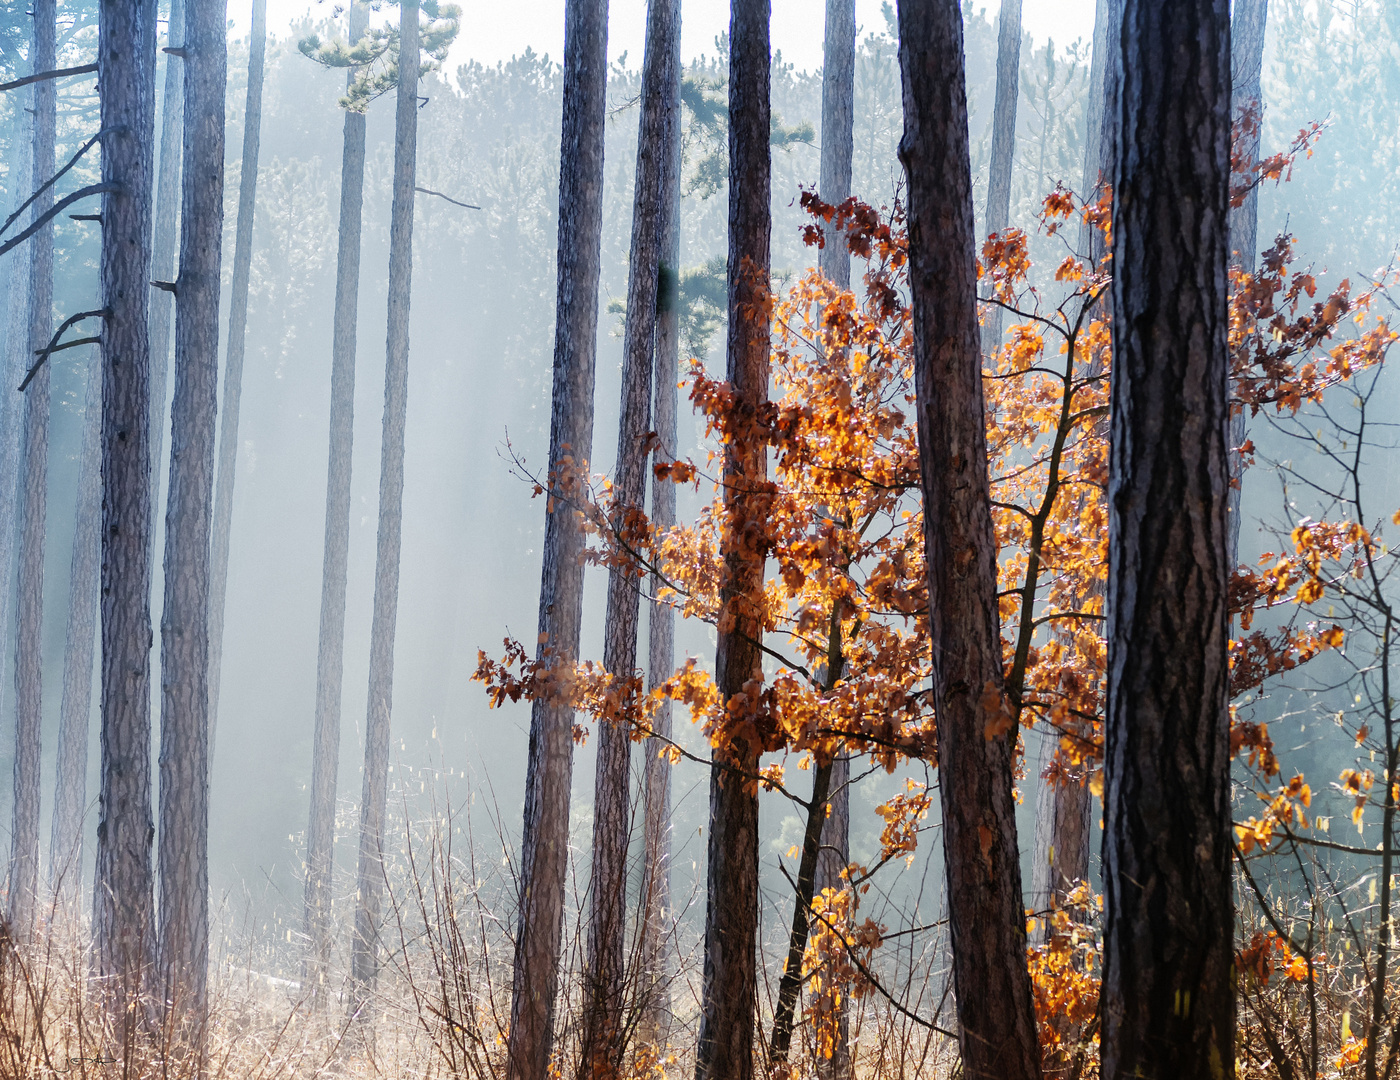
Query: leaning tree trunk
{"x": 661, "y": 622}
{"x": 167, "y": 224}
{"x": 184, "y": 625}
{"x": 838, "y": 145}
{"x": 604, "y": 1020}
{"x": 233, "y": 363}
{"x": 374, "y": 796}
{"x": 123, "y": 905}
{"x": 544, "y": 842}
{"x": 976, "y": 736}
{"x": 33, "y": 479}
{"x": 1168, "y": 979}
{"x": 70, "y": 789}
{"x": 320, "y": 832}
{"x": 725, "y": 1050}
{"x": 1003, "y": 145}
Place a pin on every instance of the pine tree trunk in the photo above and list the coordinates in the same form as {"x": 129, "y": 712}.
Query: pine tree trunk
{"x": 167, "y": 226}
{"x": 661, "y": 623}
{"x": 184, "y": 630}
{"x": 123, "y": 904}
{"x": 325, "y": 763}
{"x": 1168, "y": 981}
{"x": 838, "y": 145}
{"x": 1099, "y": 137}
{"x": 70, "y": 790}
{"x": 604, "y": 1022}
{"x": 1003, "y": 145}
{"x": 544, "y": 841}
{"x": 33, "y": 491}
{"x": 374, "y": 796}
{"x": 725, "y": 1050}
{"x": 233, "y": 363}
{"x": 985, "y": 914}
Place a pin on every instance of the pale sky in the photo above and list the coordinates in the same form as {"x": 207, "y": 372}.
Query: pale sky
{"x": 500, "y": 29}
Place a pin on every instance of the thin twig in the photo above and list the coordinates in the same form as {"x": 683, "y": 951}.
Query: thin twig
{"x": 59, "y": 73}
{"x": 449, "y": 198}
{"x": 54, "y": 346}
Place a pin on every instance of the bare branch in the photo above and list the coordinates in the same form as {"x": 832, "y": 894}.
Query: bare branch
{"x": 84, "y": 69}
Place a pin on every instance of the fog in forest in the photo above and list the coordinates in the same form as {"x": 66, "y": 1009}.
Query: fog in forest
{"x": 481, "y": 342}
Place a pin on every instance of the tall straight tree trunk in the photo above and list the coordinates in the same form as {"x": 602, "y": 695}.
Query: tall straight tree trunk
{"x": 184, "y": 629}
{"x": 1003, "y": 144}
{"x": 33, "y": 478}
{"x": 167, "y": 225}
{"x": 374, "y": 796}
{"x": 233, "y": 363}
{"x": 123, "y": 904}
{"x": 320, "y": 833}
{"x": 838, "y": 145}
{"x": 725, "y": 1051}
{"x": 604, "y": 1023}
{"x": 70, "y": 789}
{"x": 976, "y": 736}
{"x": 1169, "y": 980}
{"x": 661, "y": 622}
{"x": 544, "y": 841}
{"x": 1063, "y": 811}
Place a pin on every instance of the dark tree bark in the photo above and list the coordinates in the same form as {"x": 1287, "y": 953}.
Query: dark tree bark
{"x": 1168, "y": 982}
{"x": 233, "y": 362}
{"x": 544, "y": 842}
{"x": 661, "y": 623}
{"x": 604, "y": 1023}
{"x": 184, "y": 630}
{"x": 123, "y": 905}
{"x": 33, "y": 492}
{"x": 167, "y": 226}
{"x": 1003, "y": 144}
{"x": 838, "y": 145}
{"x": 70, "y": 789}
{"x": 975, "y": 736}
{"x": 375, "y": 791}
{"x": 320, "y": 833}
{"x": 725, "y": 1051}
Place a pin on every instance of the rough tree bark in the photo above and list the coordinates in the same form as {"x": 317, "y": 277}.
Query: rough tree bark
{"x": 184, "y": 626}
{"x": 838, "y": 145}
{"x": 375, "y": 792}
{"x": 167, "y": 225}
{"x": 604, "y": 1022}
{"x": 1003, "y": 145}
{"x": 725, "y": 1050}
{"x": 975, "y": 733}
{"x": 70, "y": 789}
{"x": 233, "y": 361}
{"x": 544, "y": 841}
{"x": 33, "y": 479}
{"x": 123, "y": 905}
{"x": 1168, "y": 981}
{"x": 661, "y": 622}
{"x": 325, "y": 763}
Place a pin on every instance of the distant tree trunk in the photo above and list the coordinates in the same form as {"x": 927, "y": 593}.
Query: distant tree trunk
{"x": 33, "y": 476}
{"x": 661, "y": 624}
{"x": 1099, "y": 137}
{"x": 1246, "y": 63}
{"x": 604, "y": 1023}
{"x": 838, "y": 145}
{"x": 544, "y": 842}
{"x": 233, "y": 363}
{"x": 123, "y": 905}
{"x": 184, "y": 629}
{"x": 70, "y": 790}
{"x": 725, "y": 1051}
{"x": 325, "y": 763}
{"x": 374, "y": 796}
{"x": 1168, "y": 980}
{"x": 167, "y": 224}
{"x": 1003, "y": 144}
{"x": 975, "y": 735}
